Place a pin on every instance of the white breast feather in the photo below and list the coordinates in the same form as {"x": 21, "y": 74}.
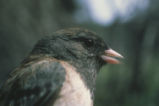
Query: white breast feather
{"x": 74, "y": 92}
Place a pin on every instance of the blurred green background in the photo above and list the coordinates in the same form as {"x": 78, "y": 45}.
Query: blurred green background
{"x": 130, "y": 27}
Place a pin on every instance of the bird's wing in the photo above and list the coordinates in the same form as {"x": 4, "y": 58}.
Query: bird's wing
{"x": 34, "y": 85}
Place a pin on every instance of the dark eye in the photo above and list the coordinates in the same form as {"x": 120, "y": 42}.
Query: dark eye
{"x": 89, "y": 42}
{"x": 86, "y": 41}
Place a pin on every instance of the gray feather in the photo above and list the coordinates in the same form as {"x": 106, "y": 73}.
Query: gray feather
{"x": 34, "y": 85}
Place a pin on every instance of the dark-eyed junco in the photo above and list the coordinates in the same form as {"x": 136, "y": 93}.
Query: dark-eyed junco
{"x": 60, "y": 71}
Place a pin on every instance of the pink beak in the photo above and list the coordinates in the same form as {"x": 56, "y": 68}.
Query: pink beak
{"x": 110, "y": 56}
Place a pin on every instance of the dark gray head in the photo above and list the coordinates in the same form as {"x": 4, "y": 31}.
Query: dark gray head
{"x": 81, "y": 48}
{"x": 74, "y": 44}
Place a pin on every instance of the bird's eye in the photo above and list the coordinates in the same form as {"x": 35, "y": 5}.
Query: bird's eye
{"x": 89, "y": 42}
{"x": 86, "y": 41}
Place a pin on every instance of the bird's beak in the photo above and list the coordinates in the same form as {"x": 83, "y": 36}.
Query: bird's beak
{"x": 110, "y": 56}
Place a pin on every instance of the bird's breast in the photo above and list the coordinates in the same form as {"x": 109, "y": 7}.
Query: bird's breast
{"x": 74, "y": 91}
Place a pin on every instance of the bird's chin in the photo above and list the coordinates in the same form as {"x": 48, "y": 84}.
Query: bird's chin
{"x": 110, "y": 56}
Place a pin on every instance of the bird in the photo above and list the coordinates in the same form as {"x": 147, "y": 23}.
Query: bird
{"x": 60, "y": 70}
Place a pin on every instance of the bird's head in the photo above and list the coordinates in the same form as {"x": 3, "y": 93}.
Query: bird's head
{"x": 81, "y": 48}
{"x": 77, "y": 46}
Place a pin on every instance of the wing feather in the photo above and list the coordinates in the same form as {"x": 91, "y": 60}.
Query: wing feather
{"x": 35, "y": 85}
